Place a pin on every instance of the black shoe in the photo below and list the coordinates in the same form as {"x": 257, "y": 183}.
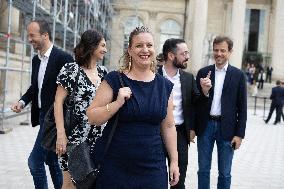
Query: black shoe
{"x": 275, "y": 123}
{"x": 266, "y": 121}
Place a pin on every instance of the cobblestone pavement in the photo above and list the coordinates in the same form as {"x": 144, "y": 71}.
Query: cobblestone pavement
{"x": 258, "y": 164}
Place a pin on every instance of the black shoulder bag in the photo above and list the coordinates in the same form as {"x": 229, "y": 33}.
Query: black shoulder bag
{"x": 80, "y": 163}
{"x": 70, "y": 120}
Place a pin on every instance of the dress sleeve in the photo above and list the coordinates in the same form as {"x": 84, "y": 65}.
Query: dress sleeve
{"x": 169, "y": 87}
{"x": 112, "y": 78}
{"x": 67, "y": 76}
{"x": 102, "y": 70}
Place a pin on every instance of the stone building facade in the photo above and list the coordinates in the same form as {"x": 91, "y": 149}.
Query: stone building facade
{"x": 68, "y": 19}
{"x": 256, "y": 26}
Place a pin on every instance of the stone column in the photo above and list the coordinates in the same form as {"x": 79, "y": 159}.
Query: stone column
{"x": 278, "y": 41}
{"x": 188, "y": 22}
{"x": 117, "y": 38}
{"x": 237, "y": 32}
{"x": 14, "y": 20}
{"x": 152, "y": 25}
{"x": 199, "y": 33}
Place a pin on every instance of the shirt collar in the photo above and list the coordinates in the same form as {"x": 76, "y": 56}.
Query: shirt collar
{"x": 46, "y": 54}
{"x": 165, "y": 73}
{"x": 222, "y": 69}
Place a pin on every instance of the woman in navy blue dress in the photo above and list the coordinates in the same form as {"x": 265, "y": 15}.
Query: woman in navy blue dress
{"x": 136, "y": 157}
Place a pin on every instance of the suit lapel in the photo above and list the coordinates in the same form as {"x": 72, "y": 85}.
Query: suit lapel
{"x": 212, "y": 77}
{"x": 49, "y": 66}
{"x": 228, "y": 77}
{"x": 183, "y": 83}
{"x": 35, "y": 71}
{"x": 183, "y": 86}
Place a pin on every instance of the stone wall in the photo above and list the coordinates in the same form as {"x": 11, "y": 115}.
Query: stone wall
{"x": 16, "y": 82}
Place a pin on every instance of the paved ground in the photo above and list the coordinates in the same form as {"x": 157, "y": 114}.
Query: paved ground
{"x": 257, "y": 165}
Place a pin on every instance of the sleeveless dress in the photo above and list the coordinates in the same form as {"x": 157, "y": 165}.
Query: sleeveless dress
{"x": 84, "y": 95}
{"x": 136, "y": 157}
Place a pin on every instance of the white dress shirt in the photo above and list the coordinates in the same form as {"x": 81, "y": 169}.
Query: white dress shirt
{"x": 41, "y": 72}
{"x": 177, "y": 98}
{"x": 218, "y": 87}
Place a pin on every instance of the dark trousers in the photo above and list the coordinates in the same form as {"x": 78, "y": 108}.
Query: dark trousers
{"x": 278, "y": 109}
{"x": 37, "y": 160}
{"x": 268, "y": 78}
{"x": 281, "y": 115}
{"x": 260, "y": 84}
{"x": 182, "y": 147}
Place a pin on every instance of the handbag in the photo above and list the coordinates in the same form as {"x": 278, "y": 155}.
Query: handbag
{"x": 70, "y": 120}
{"x": 80, "y": 164}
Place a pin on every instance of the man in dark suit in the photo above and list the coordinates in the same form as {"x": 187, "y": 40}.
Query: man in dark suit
{"x": 269, "y": 70}
{"x": 277, "y": 96}
{"x": 45, "y": 68}
{"x": 281, "y": 109}
{"x": 185, "y": 95}
{"x": 223, "y": 119}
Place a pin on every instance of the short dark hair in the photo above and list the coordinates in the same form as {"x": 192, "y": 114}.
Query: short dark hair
{"x": 89, "y": 41}
{"x": 43, "y": 27}
{"x": 170, "y": 45}
{"x": 278, "y": 82}
{"x": 220, "y": 39}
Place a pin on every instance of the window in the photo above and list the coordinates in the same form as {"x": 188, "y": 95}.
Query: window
{"x": 254, "y": 30}
{"x": 169, "y": 29}
{"x": 131, "y": 23}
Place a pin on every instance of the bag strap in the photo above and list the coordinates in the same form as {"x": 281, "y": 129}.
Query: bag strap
{"x": 113, "y": 126}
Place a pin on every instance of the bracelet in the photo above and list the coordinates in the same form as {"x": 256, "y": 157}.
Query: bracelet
{"x": 107, "y": 107}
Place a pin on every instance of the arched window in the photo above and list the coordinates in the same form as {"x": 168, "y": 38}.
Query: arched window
{"x": 130, "y": 24}
{"x": 169, "y": 29}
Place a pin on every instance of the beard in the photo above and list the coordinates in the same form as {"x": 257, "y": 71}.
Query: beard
{"x": 179, "y": 64}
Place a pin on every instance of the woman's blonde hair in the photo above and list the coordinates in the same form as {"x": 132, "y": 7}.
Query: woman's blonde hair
{"x": 125, "y": 59}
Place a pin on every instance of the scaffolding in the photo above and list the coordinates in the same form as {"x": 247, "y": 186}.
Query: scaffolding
{"x": 68, "y": 18}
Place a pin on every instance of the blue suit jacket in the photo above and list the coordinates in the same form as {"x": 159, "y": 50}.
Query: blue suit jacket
{"x": 56, "y": 60}
{"x": 233, "y": 103}
{"x": 277, "y": 96}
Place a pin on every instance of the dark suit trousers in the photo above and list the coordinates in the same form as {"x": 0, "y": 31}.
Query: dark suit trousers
{"x": 182, "y": 147}
{"x": 37, "y": 160}
{"x": 272, "y": 108}
{"x": 278, "y": 112}
{"x": 281, "y": 111}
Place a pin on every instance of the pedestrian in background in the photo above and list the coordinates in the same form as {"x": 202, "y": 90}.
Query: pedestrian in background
{"x": 90, "y": 50}
{"x": 261, "y": 79}
{"x": 282, "y": 115}
{"x": 223, "y": 119}
{"x": 269, "y": 70}
{"x": 136, "y": 157}
{"x": 45, "y": 68}
{"x": 185, "y": 97}
{"x": 277, "y": 96}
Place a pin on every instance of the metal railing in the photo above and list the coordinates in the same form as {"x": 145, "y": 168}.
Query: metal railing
{"x": 68, "y": 20}
{"x": 258, "y": 104}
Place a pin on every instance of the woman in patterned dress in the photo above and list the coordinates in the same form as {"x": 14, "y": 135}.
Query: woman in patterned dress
{"x": 136, "y": 157}
{"x": 90, "y": 49}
